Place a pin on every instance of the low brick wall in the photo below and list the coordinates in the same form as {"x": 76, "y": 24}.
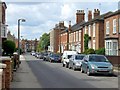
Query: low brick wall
{"x": 115, "y": 60}
{"x": 8, "y": 71}
{"x": 1, "y": 73}
{"x": 3, "y": 67}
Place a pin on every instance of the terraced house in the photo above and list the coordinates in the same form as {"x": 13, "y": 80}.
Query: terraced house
{"x": 75, "y": 32}
{"x": 112, "y": 33}
{"x": 55, "y": 40}
{"x": 94, "y": 27}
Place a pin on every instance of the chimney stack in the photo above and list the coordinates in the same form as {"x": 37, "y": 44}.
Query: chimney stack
{"x": 96, "y": 12}
{"x": 80, "y": 16}
{"x": 61, "y": 23}
{"x": 89, "y": 15}
{"x": 69, "y": 26}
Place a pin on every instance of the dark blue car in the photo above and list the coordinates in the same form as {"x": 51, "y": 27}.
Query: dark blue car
{"x": 55, "y": 58}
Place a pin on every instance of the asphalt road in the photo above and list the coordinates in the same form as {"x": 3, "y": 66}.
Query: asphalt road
{"x": 53, "y": 75}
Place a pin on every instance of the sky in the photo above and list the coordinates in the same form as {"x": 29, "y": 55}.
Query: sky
{"x": 41, "y": 16}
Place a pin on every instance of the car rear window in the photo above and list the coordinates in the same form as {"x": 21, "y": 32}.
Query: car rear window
{"x": 79, "y": 57}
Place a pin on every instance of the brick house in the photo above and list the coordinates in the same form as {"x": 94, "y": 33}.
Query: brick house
{"x": 3, "y": 30}
{"x": 64, "y": 40}
{"x": 10, "y": 36}
{"x": 3, "y": 25}
{"x": 112, "y": 33}
{"x": 29, "y": 45}
{"x": 75, "y": 32}
{"x": 94, "y": 27}
{"x": 55, "y": 40}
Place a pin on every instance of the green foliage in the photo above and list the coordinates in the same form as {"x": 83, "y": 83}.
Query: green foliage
{"x": 8, "y": 47}
{"x": 89, "y": 51}
{"x": 100, "y": 51}
{"x": 44, "y": 42}
{"x": 16, "y": 49}
{"x": 86, "y": 40}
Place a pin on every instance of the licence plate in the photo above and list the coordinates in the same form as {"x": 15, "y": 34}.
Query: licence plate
{"x": 102, "y": 70}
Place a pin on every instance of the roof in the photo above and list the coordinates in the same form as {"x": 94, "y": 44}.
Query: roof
{"x": 113, "y": 13}
{"x": 98, "y": 18}
{"x": 65, "y": 30}
{"x": 77, "y": 26}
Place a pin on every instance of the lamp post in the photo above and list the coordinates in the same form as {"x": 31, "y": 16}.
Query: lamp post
{"x": 22, "y": 20}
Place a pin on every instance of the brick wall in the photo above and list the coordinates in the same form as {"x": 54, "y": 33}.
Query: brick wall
{"x": 115, "y": 60}
{"x": 8, "y": 71}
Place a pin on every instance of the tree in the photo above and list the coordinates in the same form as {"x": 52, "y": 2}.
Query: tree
{"x": 8, "y": 47}
{"x": 86, "y": 40}
{"x": 44, "y": 42}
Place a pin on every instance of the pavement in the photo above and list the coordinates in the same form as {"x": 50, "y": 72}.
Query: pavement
{"x": 24, "y": 77}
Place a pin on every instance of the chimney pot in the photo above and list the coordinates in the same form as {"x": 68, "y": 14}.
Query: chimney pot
{"x": 96, "y": 12}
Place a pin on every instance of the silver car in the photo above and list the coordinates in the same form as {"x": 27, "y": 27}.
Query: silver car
{"x": 76, "y": 61}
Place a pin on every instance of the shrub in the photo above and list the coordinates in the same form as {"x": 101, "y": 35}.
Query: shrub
{"x": 8, "y": 47}
{"x": 89, "y": 51}
{"x": 100, "y": 51}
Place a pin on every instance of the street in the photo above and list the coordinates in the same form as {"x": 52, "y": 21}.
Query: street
{"x": 53, "y": 75}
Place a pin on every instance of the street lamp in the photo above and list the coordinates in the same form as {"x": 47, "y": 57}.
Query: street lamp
{"x": 22, "y": 20}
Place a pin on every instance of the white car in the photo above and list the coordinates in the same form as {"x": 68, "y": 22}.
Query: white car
{"x": 66, "y": 56}
{"x": 76, "y": 61}
{"x": 33, "y": 53}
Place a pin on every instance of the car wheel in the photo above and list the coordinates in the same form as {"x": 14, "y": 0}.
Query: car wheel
{"x": 69, "y": 66}
{"x": 88, "y": 72}
{"x": 66, "y": 65}
{"x": 82, "y": 71}
{"x": 74, "y": 67}
{"x": 63, "y": 65}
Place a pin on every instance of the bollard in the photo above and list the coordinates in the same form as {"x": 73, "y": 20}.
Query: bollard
{"x": 3, "y": 66}
{"x": 8, "y": 71}
{"x": 15, "y": 61}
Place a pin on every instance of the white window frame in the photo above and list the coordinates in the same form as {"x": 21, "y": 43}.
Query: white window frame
{"x": 109, "y": 47}
{"x": 94, "y": 30}
{"x": 89, "y": 30}
{"x": 94, "y": 43}
{"x": 85, "y": 29}
{"x": 119, "y": 25}
{"x": 107, "y": 27}
{"x": 114, "y": 26}
{"x": 79, "y": 35}
{"x": 89, "y": 44}
{"x": 3, "y": 31}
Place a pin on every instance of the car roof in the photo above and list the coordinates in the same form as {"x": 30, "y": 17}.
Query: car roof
{"x": 95, "y": 55}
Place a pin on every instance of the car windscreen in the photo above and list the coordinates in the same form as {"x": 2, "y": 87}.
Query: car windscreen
{"x": 79, "y": 57}
{"x": 54, "y": 55}
{"x": 97, "y": 59}
{"x": 69, "y": 56}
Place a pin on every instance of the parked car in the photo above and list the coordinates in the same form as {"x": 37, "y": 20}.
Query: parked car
{"x": 33, "y": 53}
{"x": 55, "y": 58}
{"x": 92, "y": 64}
{"x": 40, "y": 56}
{"x": 66, "y": 56}
{"x": 75, "y": 61}
{"x": 36, "y": 54}
{"x": 45, "y": 54}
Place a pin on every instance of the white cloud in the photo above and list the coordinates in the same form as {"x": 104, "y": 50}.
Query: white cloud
{"x": 41, "y": 17}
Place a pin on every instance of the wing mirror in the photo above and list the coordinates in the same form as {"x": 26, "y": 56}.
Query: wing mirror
{"x": 86, "y": 60}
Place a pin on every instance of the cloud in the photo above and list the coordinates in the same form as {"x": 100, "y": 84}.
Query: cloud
{"x": 41, "y": 17}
